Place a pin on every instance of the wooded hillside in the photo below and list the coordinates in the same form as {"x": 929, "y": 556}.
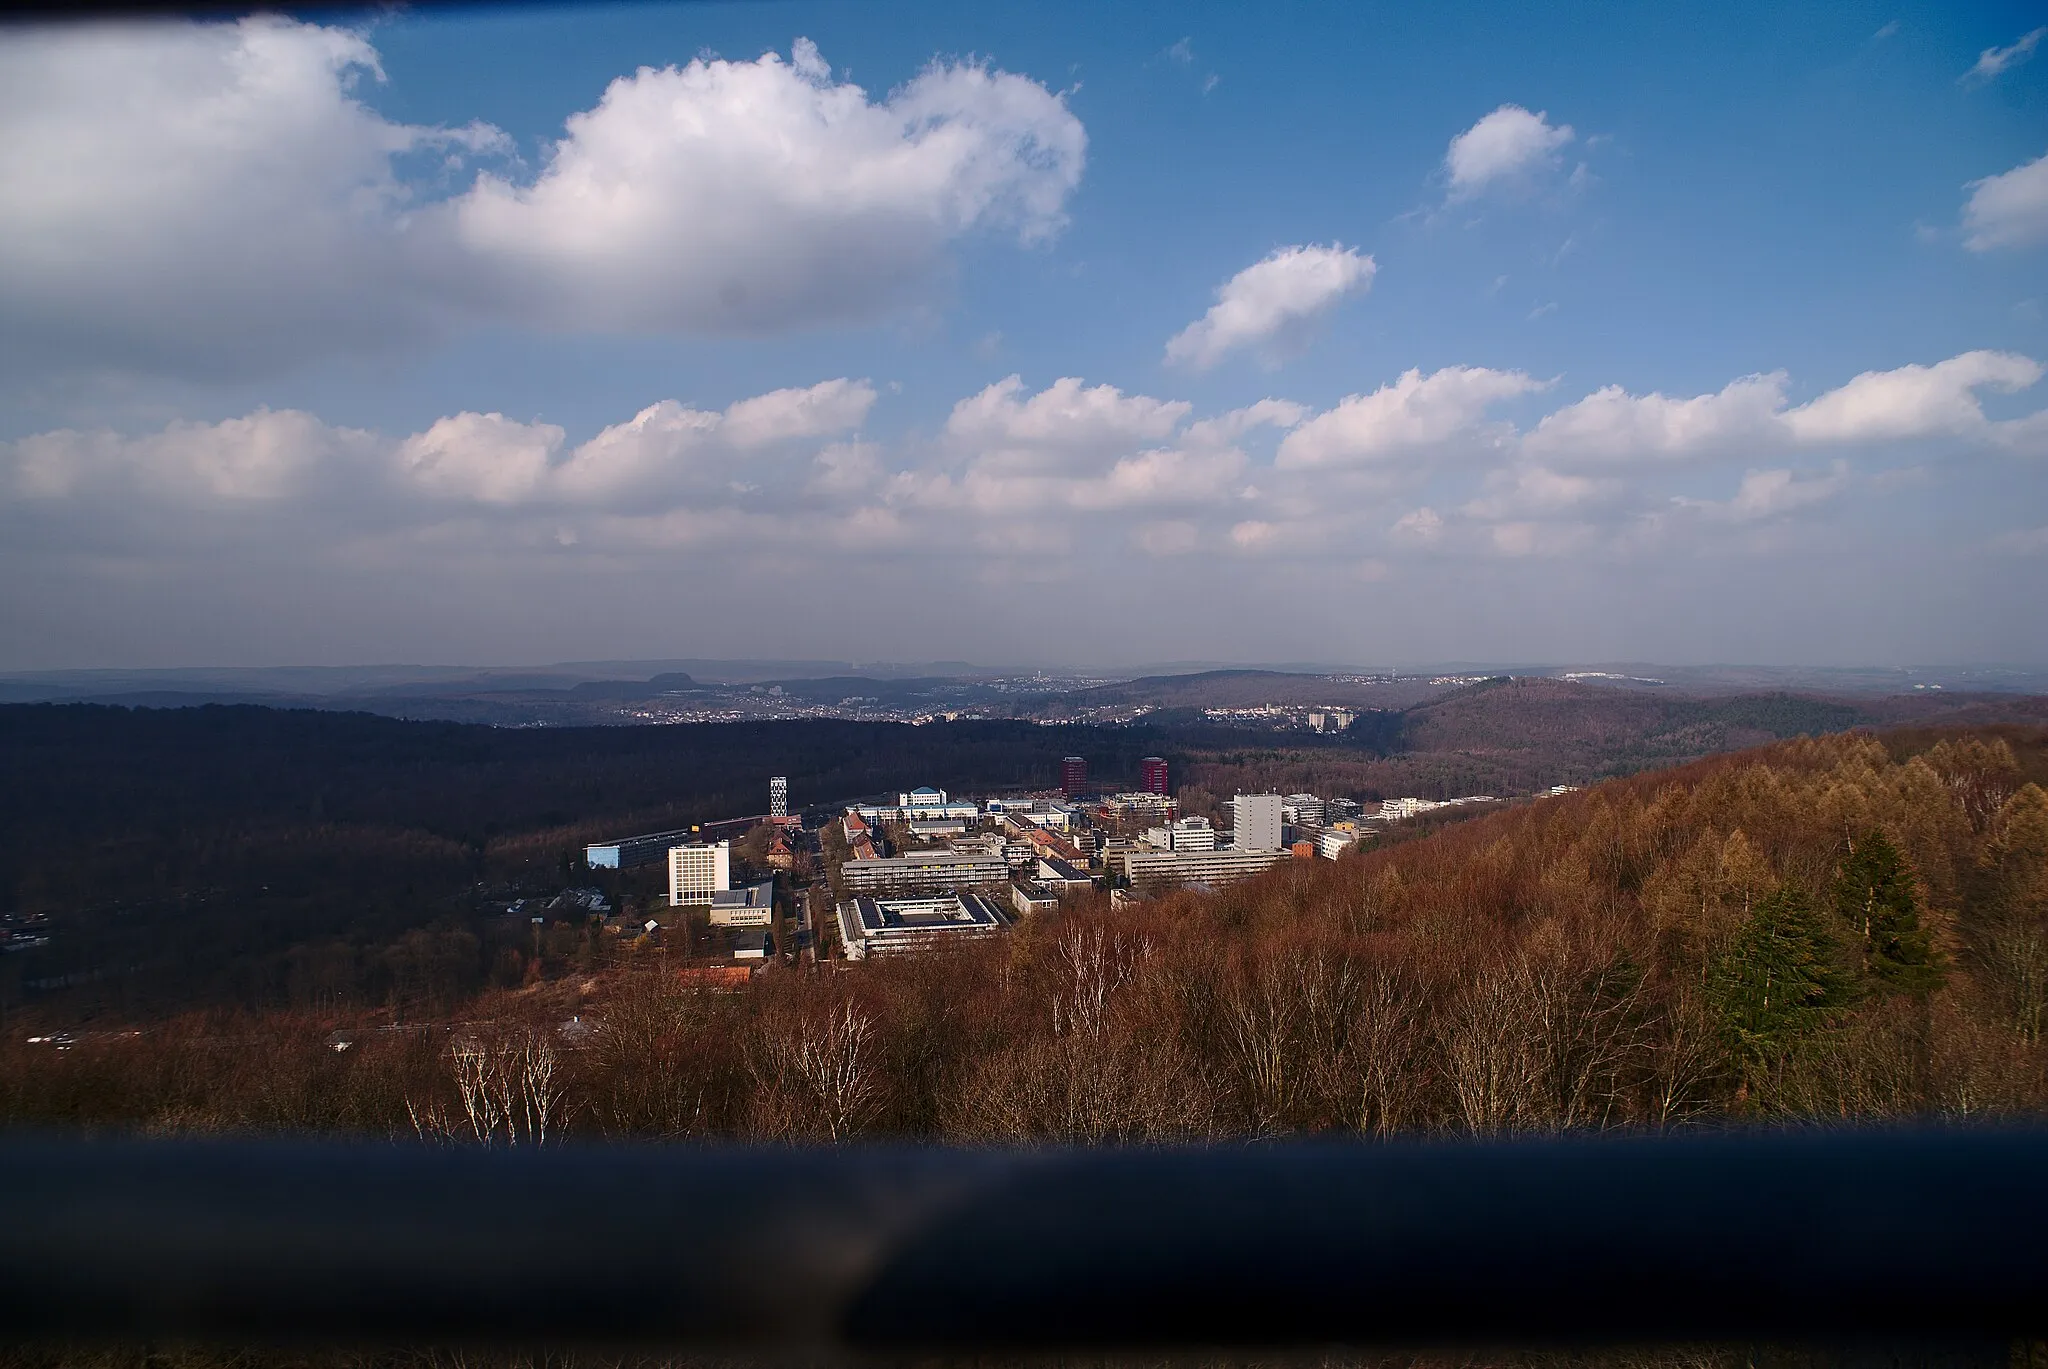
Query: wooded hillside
{"x": 1840, "y": 928}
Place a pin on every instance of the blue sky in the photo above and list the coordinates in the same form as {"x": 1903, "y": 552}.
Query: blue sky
{"x": 323, "y": 341}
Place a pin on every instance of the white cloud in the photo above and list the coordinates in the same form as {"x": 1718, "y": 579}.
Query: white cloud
{"x": 1067, "y": 418}
{"x": 264, "y": 457}
{"x": 218, "y": 199}
{"x": 485, "y": 457}
{"x": 1414, "y": 415}
{"x": 1612, "y": 424}
{"x": 742, "y": 196}
{"x": 1994, "y": 62}
{"x": 831, "y": 406}
{"x": 1537, "y": 491}
{"x": 1271, "y": 301}
{"x": 1878, "y": 406}
{"x": 1012, "y": 474}
{"x": 1507, "y": 145}
{"x": 2008, "y": 210}
{"x": 666, "y": 455}
{"x": 1775, "y": 493}
{"x": 1913, "y": 401}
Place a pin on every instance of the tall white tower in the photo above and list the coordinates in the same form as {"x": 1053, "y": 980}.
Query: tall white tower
{"x": 778, "y": 797}
{"x": 1256, "y": 820}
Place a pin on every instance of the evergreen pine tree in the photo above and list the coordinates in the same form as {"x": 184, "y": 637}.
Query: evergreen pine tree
{"x": 1776, "y": 985}
{"x": 1874, "y": 895}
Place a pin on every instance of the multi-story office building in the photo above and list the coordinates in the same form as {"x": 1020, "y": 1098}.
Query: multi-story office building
{"x": 1143, "y": 867}
{"x": 924, "y": 872}
{"x": 697, "y": 871}
{"x": 1152, "y": 775}
{"x": 1073, "y": 775}
{"x": 1188, "y": 834}
{"x": 1302, "y": 810}
{"x": 778, "y": 796}
{"x": 1255, "y": 822}
{"x": 892, "y": 926}
{"x": 627, "y": 852}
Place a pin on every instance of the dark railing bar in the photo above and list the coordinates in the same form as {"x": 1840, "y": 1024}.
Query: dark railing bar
{"x": 1798, "y": 1235}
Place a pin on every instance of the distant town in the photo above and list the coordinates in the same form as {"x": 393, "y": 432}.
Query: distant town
{"x": 927, "y": 868}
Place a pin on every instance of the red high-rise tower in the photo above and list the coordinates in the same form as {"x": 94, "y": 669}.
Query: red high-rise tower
{"x": 1152, "y": 775}
{"x": 1073, "y": 775}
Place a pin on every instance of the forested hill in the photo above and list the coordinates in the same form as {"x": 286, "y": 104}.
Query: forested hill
{"x": 1841, "y": 928}
{"x": 1607, "y": 730}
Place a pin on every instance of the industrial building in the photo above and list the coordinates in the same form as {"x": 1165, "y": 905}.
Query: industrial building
{"x": 925, "y": 872}
{"x": 1255, "y": 822}
{"x": 627, "y": 852}
{"x": 697, "y": 871}
{"x": 1143, "y": 867}
{"x": 872, "y": 926}
{"x": 750, "y": 905}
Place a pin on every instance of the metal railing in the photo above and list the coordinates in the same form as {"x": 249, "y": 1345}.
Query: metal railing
{"x": 924, "y": 1249}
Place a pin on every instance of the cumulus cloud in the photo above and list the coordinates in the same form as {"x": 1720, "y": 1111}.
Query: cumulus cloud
{"x": 1015, "y": 475}
{"x": 1994, "y": 62}
{"x": 1068, "y": 420}
{"x": 1903, "y": 404}
{"x": 1416, "y": 414}
{"x": 1507, "y": 145}
{"x": 219, "y": 198}
{"x": 2008, "y": 210}
{"x": 745, "y": 196}
{"x": 1913, "y": 401}
{"x": 1774, "y": 494}
{"x": 1271, "y": 301}
{"x": 667, "y": 454}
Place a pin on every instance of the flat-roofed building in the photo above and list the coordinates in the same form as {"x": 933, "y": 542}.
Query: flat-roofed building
{"x": 697, "y": 871}
{"x": 1033, "y": 898}
{"x": 1255, "y": 822}
{"x": 750, "y": 905}
{"x": 1129, "y": 806}
{"x": 1063, "y": 876}
{"x": 894, "y": 926}
{"x": 1303, "y": 810}
{"x": 627, "y": 852}
{"x": 1143, "y": 867}
{"x": 925, "y": 872}
{"x": 1152, "y": 775}
{"x": 1188, "y": 834}
{"x": 751, "y": 945}
{"x": 778, "y": 796}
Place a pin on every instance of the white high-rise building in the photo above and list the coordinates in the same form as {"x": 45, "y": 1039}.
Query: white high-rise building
{"x": 778, "y": 797}
{"x": 1255, "y": 819}
{"x": 697, "y": 871}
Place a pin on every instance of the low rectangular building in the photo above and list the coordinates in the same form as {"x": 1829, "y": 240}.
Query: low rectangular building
{"x": 1033, "y": 898}
{"x": 925, "y": 872}
{"x": 895, "y": 926}
{"x": 750, "y": 905}
{"x": 1143, "y": 867}
{"x": 628, "y": 852}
